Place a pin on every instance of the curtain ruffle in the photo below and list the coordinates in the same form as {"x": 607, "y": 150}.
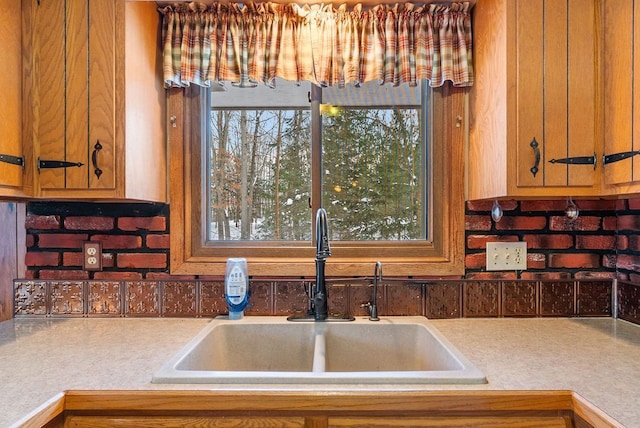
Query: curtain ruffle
{"x": 257, "y": 42}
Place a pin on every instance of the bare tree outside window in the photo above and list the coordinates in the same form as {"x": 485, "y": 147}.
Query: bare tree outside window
{"x": 373, "y": 168}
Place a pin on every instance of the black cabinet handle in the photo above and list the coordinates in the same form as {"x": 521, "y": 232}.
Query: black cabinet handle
{"x": 615, "y": 157}
{"x": 536, "y": 151}
{"x": 577, "y": 160}
{"x": 13, "y": 160}
{"x": 94, "y": 159}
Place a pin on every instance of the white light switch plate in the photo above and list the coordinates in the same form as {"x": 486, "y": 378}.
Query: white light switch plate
{"x": 506, "y": 255}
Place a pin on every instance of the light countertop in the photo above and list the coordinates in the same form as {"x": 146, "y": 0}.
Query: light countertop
{"x": 599, "y": 358}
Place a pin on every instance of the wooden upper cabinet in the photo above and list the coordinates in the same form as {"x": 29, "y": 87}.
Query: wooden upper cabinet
{"x": 12, "y": 152}
{"x": 621, "y": 96}
{"x": 534, "y": 130}
{"x": 76, "y": 126}
{"x": 98, "y": 105}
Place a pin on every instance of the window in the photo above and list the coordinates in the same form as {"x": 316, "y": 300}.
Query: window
{"x": 384, "y": 162}
{"x": 262, "y": 172}
{"x": 258, "y": 163}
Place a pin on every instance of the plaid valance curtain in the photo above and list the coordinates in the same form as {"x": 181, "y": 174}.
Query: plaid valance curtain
{"x": 257, "y": 42}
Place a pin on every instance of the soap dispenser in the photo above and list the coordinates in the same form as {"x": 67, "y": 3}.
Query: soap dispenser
{"x": 236, "y": 287}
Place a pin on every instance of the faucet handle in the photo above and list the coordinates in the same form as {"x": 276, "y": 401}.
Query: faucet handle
{"x": 373, "y": 311}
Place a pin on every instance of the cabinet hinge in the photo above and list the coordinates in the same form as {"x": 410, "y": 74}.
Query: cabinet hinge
{"x": 42, "y": 164}
{"x": 578, "y": 160}
{"x": 13, "y": 160}
{"x": 615, "y": 157}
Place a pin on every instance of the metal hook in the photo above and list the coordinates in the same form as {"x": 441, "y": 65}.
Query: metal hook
{"x": 572, "y": 212}
{"x": 496, "y": 211}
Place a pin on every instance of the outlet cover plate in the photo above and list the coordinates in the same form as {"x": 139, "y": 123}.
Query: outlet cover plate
{"x": 92, "y": 255}
{"x": 506, "y": 255}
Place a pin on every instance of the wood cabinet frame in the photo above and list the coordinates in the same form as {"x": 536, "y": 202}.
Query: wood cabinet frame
{"x": 319, "y": 409}
{"x": 126, "y": 104}
{"x": 444, "y": 255}
{"x": 511, "y": 104}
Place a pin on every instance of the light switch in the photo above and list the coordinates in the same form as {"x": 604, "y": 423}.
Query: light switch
{"x": 506, "y": 255}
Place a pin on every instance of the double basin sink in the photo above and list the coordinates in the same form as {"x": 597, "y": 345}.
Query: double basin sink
{"x": 272, "y": 350}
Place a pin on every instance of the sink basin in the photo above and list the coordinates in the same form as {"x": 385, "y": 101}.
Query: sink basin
{"x": 274, "y": 350}
{"x": 383, "y": 347}
{"x": 250, "y": 346}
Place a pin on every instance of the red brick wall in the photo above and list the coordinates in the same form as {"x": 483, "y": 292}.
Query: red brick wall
{"x": 557, "y": 248}
{"x": 134, "y": 237}
{"x": 604, "y": 242}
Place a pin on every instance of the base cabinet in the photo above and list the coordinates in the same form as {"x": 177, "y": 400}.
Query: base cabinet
{"x": 320, "y": 409}
{"x": 454, "y": 421}
{"x": 301, "y": 422}
{"x": 183, "y": 421}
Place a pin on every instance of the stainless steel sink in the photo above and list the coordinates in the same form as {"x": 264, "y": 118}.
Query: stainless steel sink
{"x": 398, "y": 350}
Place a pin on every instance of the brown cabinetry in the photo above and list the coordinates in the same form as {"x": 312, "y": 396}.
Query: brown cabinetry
{"x": 301, "y": 422}
{"x": 621, "y": 96}
{"x": 535, "y": 104}
{"x": 453, "y": 421}
{"x": 95, "y": 100}
{"x": 13, "y": 173}
{"x": 320, "y": 409}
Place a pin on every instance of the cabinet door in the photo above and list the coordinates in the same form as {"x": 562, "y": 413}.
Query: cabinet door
{"x": 102, "y": 93}
{"x": 11, "y": 172}
{"x": 76, "y": 88}
{"x": 621, "y": 91}
{"x": 49, "y": 90}
{"x": 489, "y": 421}
{"x": 556, "y": 89}
{"x": 529, "y": 88}
{"x": 88, "y": 421}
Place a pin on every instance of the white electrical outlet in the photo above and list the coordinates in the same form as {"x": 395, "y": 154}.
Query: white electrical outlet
{"x": 92, "y": 255}
{"x": 506, "y": 255}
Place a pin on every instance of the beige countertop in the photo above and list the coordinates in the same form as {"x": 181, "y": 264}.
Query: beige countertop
{"x": 599, "y": 358}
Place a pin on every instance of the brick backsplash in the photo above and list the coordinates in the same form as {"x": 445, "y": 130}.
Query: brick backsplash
{"x": 557, "y": 248}
{"x": 570, "y": 265}
{"x": 134, "y": 237}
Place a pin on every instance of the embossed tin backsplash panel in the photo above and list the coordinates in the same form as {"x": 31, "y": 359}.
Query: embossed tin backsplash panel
{"x": 433, "y": 299}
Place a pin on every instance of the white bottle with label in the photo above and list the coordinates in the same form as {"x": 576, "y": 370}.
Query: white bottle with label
{"x": 236, "y": 287}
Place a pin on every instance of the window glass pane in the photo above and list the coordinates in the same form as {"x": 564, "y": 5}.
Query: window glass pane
{"x": 374, "y": 162}
{"x": 373, "y": 174}
{"x": 259, "y": 164}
